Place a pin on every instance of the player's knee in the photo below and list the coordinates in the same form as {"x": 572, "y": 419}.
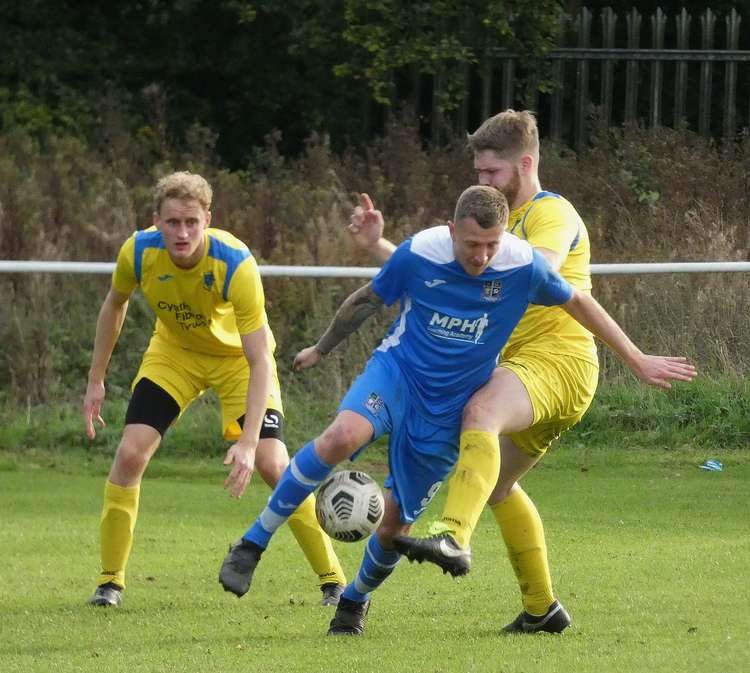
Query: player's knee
{"x": 131, "y": 459}
{"x": 271, "y": 470}
{"x": 271, "y": 459}
{"x": 337, "y": 443}
{"x": 479, "y": 415}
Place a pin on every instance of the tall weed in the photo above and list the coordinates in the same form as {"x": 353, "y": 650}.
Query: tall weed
{"x": 645, "y": 196}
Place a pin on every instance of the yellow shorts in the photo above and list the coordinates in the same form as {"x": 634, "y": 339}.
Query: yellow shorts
{"x": 561, "y": 389}
{"x": 186, "y": 375}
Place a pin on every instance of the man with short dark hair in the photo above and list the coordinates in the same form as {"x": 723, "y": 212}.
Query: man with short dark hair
{"x": 462, "y": 289}
{"x": 545, "y": 381}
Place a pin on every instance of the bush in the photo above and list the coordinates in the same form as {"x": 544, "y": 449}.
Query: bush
{"x": 645, "y": 195}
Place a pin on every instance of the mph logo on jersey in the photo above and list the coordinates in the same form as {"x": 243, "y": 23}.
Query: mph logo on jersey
{"x": 458, "y": 329}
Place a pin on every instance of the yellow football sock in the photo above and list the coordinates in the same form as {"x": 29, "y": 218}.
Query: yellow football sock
{"x": 523, "y": 533}
{"x": 315, "y": 544}
{"x": 472, "y": 482}
{"x": 119, "y": 514}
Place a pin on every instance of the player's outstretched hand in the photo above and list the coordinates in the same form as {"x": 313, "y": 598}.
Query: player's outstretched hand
{"x": 92, "y": 407}
{"x": 659, "y": 370}
{"x": 306, "y": 358}
{"x": 242, "y": 457}
{"x": 366, "y": 223}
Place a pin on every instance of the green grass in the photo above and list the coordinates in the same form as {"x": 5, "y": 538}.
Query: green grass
{"x": 705, "y": 417}
{"x": 649, "y": 554}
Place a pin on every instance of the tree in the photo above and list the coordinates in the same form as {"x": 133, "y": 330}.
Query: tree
{"x": 441, "y": 37}
{"x": 243, "y": 68}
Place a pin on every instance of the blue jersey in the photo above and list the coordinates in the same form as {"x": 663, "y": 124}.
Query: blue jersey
{"x": 453, "y": 325}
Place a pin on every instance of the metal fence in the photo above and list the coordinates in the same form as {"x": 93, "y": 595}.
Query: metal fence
{"x": 44, "y": 266}
{"x": 621, "y": 71}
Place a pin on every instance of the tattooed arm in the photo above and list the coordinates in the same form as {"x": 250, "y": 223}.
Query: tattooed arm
{"x": 357, "y": 308}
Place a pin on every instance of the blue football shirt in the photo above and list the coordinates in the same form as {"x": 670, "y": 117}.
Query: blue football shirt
{"x": 453, "y": 325}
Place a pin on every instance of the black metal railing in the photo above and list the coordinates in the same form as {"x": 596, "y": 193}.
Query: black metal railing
{"x": 652, "y": 84}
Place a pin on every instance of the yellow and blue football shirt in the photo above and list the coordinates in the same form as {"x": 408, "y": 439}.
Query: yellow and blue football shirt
{"x": 205, "y": 308}
{"x": 550, "y": 221}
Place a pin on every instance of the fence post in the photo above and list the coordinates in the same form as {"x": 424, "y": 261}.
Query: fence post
{"x": 631, "y": 69}
{"x": 531, "y": 94}
{"x": 558, "y": 73}
{"x": 486, "y": 77}
{"x": 730, "y": 75}
{"x": 609, "y": 25}
{"x": 658, "y": 23}
{"x": 415, "y": 98}
{"x": 463, "y": 110}
{"x": 582, "y": 80}
{"x": 708, "y": 22}
{"x": 509, "y": 84}
{"x": 682, "y": 22}
{"x": 437, "y": 110}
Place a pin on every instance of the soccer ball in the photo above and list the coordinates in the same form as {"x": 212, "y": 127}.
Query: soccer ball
{"x": 349, "y": 505}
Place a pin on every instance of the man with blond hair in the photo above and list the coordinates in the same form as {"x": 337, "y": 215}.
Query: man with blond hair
{"x": 211, "y": 332}
{"x": 545, "y": 381}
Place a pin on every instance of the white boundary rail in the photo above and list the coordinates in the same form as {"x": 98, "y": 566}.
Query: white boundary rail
{"x": 33, "y": 266}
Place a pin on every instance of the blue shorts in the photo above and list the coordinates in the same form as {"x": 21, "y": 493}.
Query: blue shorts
{"x": 420, "y": 453}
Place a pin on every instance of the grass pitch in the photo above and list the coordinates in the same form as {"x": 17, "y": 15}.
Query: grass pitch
{"x": 649, "y": 554}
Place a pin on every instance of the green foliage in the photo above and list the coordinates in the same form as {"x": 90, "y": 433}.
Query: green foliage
{"x": 69, "y": 66}
{"x": 702, "y": 418}
{"x": 707, "y": 415}
{"x": 652, "y": 196}
{"x": 441, "y": 38}
{"x": 248, "y": 68}
{"x": 61, "y": 198}
{"x": 240, "y": 68}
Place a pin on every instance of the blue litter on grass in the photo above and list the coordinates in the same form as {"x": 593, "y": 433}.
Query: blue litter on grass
{"x": 712, "y": 466}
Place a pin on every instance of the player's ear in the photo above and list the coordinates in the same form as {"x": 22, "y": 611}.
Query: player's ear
{"x": 526, "y": 163}
{"x": 208, "y": 219}
{"x": 155, "y": 219}
{"x": 452, "y": 229}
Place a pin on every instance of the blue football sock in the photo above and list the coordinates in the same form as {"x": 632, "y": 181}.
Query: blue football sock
{"x": 306, "y": 470}
{"x": 377, "y": 565}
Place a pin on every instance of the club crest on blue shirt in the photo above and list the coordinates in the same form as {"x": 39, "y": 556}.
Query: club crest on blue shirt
{"x": 208, "y": 280}
{"x": 492, "y": 290}
{"x": 374, "y": 404}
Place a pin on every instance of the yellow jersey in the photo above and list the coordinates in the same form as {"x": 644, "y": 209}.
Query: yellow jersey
{"x": 550, "y": 221}
{"x": 204, "y": 308}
